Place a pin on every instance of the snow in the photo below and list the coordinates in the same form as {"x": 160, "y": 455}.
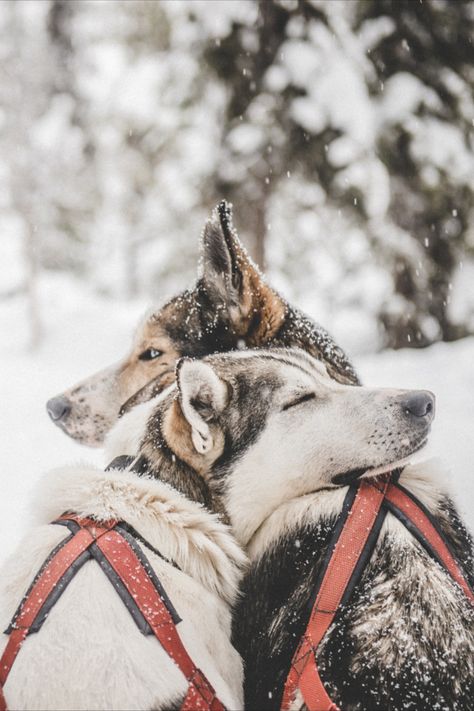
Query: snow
{"x": 130, "y": 137}
{"x": 402, "y": 95}
{"x": 246, "y": 138}
{"x": 85, "y": 333}
{"x": 447, "y": 370}
{"x": 80, "y": 340}
{"x": 442, "y": 146}
{"x": 336, "y": 92}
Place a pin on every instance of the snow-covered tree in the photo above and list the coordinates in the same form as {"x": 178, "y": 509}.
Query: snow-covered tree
{"x": 349, "y": 132}
{"x": 423, "y": 65}
{"x": 341, "y": 131}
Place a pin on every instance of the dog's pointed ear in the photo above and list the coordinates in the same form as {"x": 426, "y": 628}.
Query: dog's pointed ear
{"x": 221, "y": 267}
{"x": 202, "y": 396}
{"x": 238, "y": 299}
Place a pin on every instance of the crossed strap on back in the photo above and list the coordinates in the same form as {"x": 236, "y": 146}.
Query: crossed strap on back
{"x": 114, "y": 547}
{"x": 353, "y": 541}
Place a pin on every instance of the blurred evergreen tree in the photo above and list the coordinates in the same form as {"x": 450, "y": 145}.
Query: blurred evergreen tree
{"x": 341, "y": 131}
{"x": 432, "y": 200}
{"x": 261, "y": 141}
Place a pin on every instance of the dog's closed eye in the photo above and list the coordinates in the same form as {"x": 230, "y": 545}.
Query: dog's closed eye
{"x": 299, "y": 400}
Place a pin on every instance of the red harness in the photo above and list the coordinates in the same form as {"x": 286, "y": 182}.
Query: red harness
{"x": 353, "y": 541}
{"x": 116, "y": 550}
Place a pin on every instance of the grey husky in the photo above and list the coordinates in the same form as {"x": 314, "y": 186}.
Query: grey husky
{"x": 275, "y": 440}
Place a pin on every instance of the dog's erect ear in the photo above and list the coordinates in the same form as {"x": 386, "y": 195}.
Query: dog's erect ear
{"x": 235, "y": 293}
{"x": 202, "y": 395}
{"x": 222, "y": 255}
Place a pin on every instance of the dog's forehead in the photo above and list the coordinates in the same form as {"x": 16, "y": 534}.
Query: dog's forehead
{"x": 160, "y": 319}
{"x": 149, "y": 327}
{"x": 300, "y": 372}
{"x": 154, "y": 330}
{"x": 283, "y": 367}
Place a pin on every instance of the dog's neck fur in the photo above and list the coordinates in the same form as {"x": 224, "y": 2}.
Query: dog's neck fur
{"x": 326, "y": 504}
{"x": 373, "y": 644}
{"x": 158, "y": 461}
{"x": 181, "y": 529}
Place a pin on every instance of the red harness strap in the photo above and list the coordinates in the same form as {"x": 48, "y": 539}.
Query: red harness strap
{"x": 133, "y": 574}
{"x": 409, "y": 508}
{"x": 304, "y": 673}
{"x": 360, "y": 522}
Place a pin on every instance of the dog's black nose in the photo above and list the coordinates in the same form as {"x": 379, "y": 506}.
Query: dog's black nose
{"x": 58, "y": 408}
{"x": 420, "y": 403}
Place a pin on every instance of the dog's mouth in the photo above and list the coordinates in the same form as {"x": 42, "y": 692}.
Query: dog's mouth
{"x": 82, "y": 438}
{"x": 353, "y": 475}
{"x": 75, "y": 426}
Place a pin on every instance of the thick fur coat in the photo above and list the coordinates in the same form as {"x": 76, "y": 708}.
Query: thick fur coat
{"x": 404, "y": 641}
{"x": 89, "y": 653}
{"x": 273, "y": 436}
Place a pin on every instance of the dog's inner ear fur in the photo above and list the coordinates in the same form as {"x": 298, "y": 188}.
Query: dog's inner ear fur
{"x": 237, "y": 292}
{"x": 191, "y": 426}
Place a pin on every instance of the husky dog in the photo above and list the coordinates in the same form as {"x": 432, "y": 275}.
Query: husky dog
{"x": 230, "y": 306}
{"x": 89, "y": 653}
{"x": 276, "y": 440}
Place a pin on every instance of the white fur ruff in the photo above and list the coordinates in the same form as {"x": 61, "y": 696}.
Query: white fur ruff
{"x": 422, "y": 479}
{"x": 89, "y": 654}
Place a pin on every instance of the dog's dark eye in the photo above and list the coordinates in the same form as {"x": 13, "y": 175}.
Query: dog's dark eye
{"x": 299, "y": 401}
{"x": 150, "y": 354}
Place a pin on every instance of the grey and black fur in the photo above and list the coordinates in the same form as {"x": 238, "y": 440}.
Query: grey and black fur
{"x": 418, "y": 660}
{"x": 405, "y": 638}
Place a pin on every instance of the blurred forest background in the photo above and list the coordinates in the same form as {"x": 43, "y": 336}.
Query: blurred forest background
{"x": 342, "y": 131}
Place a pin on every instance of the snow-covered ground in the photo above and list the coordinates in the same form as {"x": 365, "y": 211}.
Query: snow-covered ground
{"x": 88, "y": 333}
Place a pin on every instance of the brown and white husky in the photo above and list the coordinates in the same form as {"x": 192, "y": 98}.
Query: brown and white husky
{"x": 231, "y": 306}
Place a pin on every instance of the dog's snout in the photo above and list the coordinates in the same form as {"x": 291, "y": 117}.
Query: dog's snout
{"x": 58, "y": 408}
{"x": 420, "y": 403}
